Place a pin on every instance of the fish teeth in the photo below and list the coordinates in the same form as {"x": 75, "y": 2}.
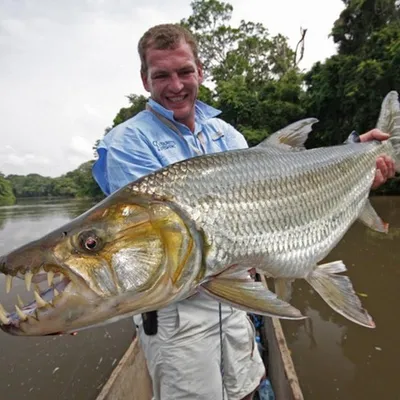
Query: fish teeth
{"x": 31, "y": 319}
{"x": 22, "y": 316}
{"x": 39, "y": 301}
{"x": 3, "y": 316}
{"x": 50, "y": 276}
{"x": 28, "y": 280}
{"x": 8, "y": 283}
{"x": 20, "y": 302}
{"x": 3, "y": 310}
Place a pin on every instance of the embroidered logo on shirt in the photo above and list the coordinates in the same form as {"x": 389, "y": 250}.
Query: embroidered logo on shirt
{"x": 217, "y": 135}
{"x": 168, "y": 144}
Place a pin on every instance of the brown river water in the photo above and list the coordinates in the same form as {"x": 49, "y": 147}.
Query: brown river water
{"x": 334, "y": 358}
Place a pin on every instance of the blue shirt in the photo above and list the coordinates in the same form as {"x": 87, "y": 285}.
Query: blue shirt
{"x": 144, "y": 143}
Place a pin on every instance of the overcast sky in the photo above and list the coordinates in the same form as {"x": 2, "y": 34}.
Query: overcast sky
{"x": 66, "y": 67}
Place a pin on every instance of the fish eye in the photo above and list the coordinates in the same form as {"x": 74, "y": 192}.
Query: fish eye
{"x": 89, "y": 241}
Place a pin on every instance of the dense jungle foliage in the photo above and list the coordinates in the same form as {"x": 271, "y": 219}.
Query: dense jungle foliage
{"x": 255, "y": 80}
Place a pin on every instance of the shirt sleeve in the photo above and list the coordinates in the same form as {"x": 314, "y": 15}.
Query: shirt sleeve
{"x": 234, "y": 139}
{"x": 123, "y": 158}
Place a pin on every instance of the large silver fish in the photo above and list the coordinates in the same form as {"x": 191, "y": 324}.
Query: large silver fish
{"x": 201, "y": 225}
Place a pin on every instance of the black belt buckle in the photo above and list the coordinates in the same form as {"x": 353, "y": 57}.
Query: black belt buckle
{"x": 150, "y": 323}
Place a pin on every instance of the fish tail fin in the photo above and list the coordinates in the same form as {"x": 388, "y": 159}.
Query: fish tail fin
{"x": 389, "y": 121}
{"x": 337, "y": 291}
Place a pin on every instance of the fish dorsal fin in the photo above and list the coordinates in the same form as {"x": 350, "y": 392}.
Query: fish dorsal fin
{"x": 290, "y": 138}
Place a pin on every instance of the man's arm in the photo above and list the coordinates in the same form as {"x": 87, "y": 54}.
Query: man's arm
{"x": 384, "y": 165}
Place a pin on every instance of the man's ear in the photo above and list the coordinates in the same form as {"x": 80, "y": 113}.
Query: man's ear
{"x": 200, "y": 72}
{"x": 145, "y": 81}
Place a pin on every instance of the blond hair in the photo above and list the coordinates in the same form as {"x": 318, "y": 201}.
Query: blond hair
{"x": 163, "y": 37}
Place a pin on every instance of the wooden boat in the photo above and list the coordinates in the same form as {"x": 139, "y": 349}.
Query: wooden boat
{"x": 130, "y": 379}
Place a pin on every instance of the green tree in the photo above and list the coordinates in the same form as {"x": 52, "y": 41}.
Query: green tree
{"x": 208, "y": 24}
{"x": 64, "y": 186}
{"x": 346, "y": 91}
{"x": 6, "y": 194}
{"x": 257, "y": 84}
{"x": 359, "y": 22}
{"x": 83, "y": 182}
{"x": 137, "y": 104}
{"x": 76, "y": 183}
{"x": 31, "y": 185}
{"x": 227, "y": 51}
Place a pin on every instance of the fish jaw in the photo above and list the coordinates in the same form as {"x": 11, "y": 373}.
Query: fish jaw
{"x": 125, "y": 256}
{"x": 53, "y": 311}
{"x": 77, "y": 308}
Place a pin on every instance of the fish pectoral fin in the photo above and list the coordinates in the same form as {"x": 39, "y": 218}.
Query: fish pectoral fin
{"x": 283, "y": 288}
{"x": 337, "y": 291}
{"x": 250, "y": 296}
{"x": 370, "y": 218}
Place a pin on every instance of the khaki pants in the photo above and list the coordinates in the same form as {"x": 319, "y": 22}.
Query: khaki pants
{"x": 184, "y": 357}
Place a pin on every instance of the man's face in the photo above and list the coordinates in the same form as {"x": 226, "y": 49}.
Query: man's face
{"x": 173, "y": 80}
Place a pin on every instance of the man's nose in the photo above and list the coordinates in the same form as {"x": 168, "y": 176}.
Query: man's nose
{"x": 176, "y": 84}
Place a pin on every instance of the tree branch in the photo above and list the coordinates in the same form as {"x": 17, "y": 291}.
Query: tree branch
{"x": 300, "y": 45}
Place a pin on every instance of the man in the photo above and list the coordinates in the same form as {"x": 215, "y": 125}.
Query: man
{"x": 184, "y": 353}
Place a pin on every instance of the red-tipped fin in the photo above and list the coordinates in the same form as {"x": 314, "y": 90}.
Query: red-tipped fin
{"x": 337, "y": 291}
{"x": 370, "y": 218}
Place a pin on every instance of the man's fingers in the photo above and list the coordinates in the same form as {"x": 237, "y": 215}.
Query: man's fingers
{"x": 382, "y": 167}
{"x": 374, "y": 134}
{"x": 390, "y": 166}
{"x": 379, "y": 180}
{"x": 385, "y": 166}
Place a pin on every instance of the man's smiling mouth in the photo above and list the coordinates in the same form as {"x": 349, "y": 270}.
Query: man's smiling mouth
{"x": 177, "y": 99}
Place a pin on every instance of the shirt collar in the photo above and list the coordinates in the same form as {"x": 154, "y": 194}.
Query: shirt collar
{"x": 202, "y": 111}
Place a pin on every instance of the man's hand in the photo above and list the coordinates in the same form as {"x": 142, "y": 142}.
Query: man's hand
{"x": 384, "y": 165}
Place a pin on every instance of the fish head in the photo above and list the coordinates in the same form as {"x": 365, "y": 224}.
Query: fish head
{"x": 127, "y": 255}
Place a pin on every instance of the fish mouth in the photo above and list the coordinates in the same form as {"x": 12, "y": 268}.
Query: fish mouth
{"x": 47, "y": 286}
